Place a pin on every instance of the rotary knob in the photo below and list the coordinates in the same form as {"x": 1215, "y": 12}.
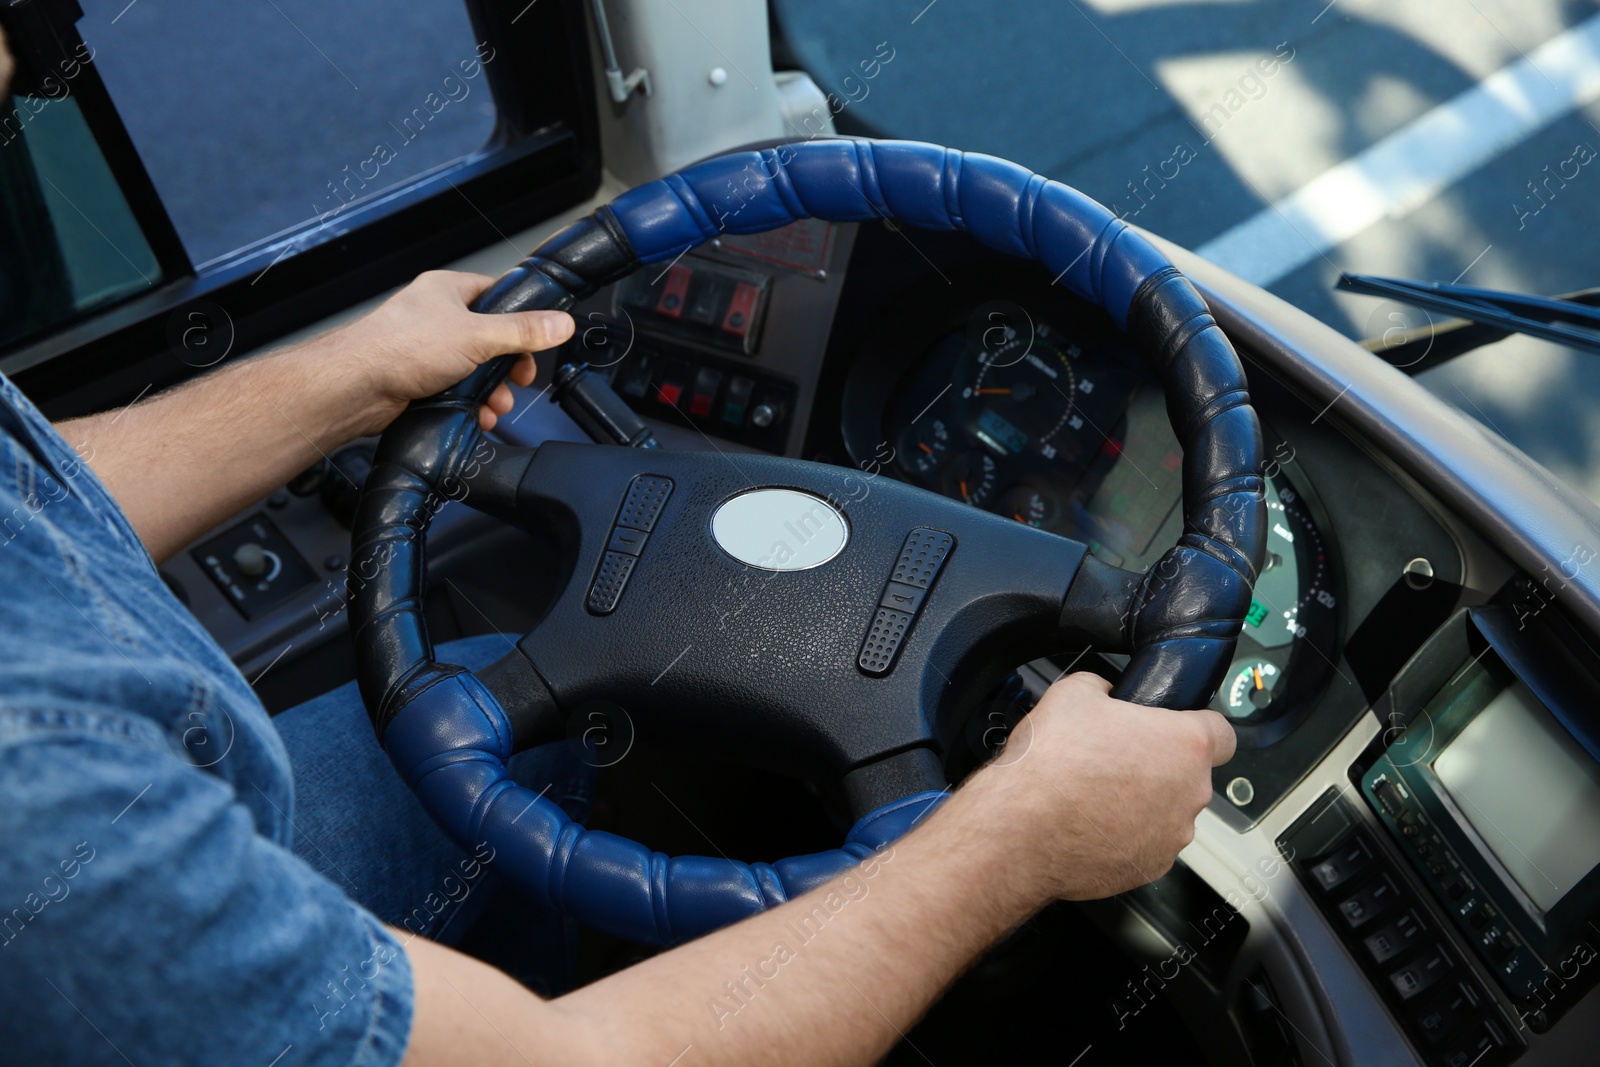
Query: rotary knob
{"x": 250, "y": 559}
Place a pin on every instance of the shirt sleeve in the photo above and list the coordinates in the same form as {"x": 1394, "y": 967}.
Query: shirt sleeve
{"x": 143, "y": 919}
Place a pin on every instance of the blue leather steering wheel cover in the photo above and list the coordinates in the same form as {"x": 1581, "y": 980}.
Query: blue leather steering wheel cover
{"x": 1009, "y": 208}
{"x": 448, "y": 736}
{"x": 450, "y": 745}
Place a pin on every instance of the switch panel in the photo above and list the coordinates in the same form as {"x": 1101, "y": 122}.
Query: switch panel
{"x": 254, "y": 566}
{"x": 1401, "y": 948}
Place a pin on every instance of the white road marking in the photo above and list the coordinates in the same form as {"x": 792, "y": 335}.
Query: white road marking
{"x": 1414, "y": 164}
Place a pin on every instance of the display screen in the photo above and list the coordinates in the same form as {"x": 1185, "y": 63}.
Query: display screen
{"x": 1529, "y": 790}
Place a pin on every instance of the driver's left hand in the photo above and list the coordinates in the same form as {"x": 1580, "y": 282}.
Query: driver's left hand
{"x": 423, "y": 339}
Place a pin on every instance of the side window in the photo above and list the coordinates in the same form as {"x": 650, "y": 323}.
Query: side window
{"x": 256, "y": 118}
{"x": 261, "y": 164}
{"x": 69, "y": 242}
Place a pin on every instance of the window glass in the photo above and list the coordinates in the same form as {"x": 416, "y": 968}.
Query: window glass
{"x": 256, "y": 118}
{"x": 68, "y": 240}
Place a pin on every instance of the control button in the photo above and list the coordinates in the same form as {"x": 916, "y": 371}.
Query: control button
{"x": 1420, "y": 974}
{"x": 1455, "y": 887}
{"x": 902, "y": 597}
{"x": 737, "y": 400}
{"x": 1343, "y": 864}
{"x": 1389, "y": 797}
{"x": 668, "y": 393}
{"x": 921, "y": 556}
{"x": 1481, "y": 916}
{"x": 250, "y": 559}
{"x": 710, "y": 298}
{"x": 1368, "y": 902}
{"x": 741, "y": 309}
{"x": 647, "y": 495}
{"x": 627, "y": 541}
{"x": 334, "y": 562}
{"x": 1395, "y": 937}
{"x": 675, "y": 293}
{"x": 883, "y": 640}
{"x": 764, "y": 415}
{"x": 280, "y": 499}
{"x": 1483, "y": 1038}
{"x": 1445, "y": 1013}
{"x": 309, "y": 480}
{"x": 641, "y": 508}
{"x": 609, "y": 581}
{"x": 705, "y": 390}
{"x": 633, "y": 379}
{"x": 1503, "y": 948}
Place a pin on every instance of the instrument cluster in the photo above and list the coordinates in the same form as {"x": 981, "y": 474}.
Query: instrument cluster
{"x": 1052, "y": 421}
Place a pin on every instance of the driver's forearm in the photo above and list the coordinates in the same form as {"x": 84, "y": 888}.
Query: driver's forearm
{"x": 795, "y": 985}
{"x": 183, "y": 461}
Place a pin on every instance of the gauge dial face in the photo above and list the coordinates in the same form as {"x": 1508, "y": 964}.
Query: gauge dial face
{"x": 971, "y": 477}
{"x": 1022, "y": 393}
{"x": 1249, "y": 687}
{"x": 924, "y": 449}
{"x": 1286, "y": 648}
{"x": 1031, "y": 505}
{"x": 1294, "y": 576}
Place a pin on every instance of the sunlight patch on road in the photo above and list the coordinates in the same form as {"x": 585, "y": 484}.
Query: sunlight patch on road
{"x": 1417, "y": 162}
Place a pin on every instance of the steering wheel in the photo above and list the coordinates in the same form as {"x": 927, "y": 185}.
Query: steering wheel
{"x": 787, "y": 615}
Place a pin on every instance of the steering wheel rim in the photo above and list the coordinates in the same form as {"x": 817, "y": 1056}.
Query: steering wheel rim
{"x": 449, "y": 732}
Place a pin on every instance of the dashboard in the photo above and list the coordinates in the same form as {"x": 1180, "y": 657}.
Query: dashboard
{"x": 1400, "y": 742}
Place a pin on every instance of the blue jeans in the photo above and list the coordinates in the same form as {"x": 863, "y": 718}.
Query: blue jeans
{"x": 357, "y": 824}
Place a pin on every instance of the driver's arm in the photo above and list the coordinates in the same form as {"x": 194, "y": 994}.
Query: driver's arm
{"x": 1096, "y": 796}
{"x": 183, "y": 461}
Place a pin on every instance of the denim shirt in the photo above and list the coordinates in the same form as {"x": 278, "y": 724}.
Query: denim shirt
{"x": 151, "y": 908}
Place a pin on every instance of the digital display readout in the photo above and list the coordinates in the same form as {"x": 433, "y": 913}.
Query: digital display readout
{"x": 1006, "y": 436}
{"x": 1530, "y": 790}
{"x": 1257, "y": 613}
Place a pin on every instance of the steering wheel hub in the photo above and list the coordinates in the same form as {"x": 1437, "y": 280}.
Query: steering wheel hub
{"x": 779, "y": 529}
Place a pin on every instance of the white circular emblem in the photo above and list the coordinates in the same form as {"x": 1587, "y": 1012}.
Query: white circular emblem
{"x": 779, "y": 529}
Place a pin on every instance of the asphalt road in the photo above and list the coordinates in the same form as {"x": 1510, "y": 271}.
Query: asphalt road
{"x": 1192, "y": 119}
{"x": 1252, "y": 131}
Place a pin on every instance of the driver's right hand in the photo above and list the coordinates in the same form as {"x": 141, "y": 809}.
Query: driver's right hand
{"x": 1102, "y": 794}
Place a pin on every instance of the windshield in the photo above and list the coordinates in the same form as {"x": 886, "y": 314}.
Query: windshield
{"x": 1442, "y": 140}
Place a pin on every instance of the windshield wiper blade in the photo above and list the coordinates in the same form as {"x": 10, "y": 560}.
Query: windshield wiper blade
{"x": 1536, "y": 316}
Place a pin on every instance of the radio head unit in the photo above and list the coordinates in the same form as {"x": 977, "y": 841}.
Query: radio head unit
{"x": 1488, "y": 777}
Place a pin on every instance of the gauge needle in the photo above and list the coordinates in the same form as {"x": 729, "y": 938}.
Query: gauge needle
{"x": 992, "y": 392}
{"x": 925, "y": 448}
{"x": 1257, "y": 672}
{"x": 963, "y": 492}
